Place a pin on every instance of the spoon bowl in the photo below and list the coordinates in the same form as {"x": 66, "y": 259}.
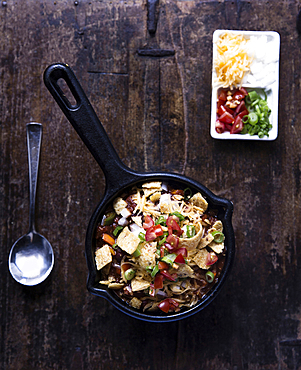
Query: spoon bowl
{"x": 31, "y": 258}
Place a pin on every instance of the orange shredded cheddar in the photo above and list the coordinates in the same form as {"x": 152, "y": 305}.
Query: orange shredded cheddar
{"x": 232, "y": 61}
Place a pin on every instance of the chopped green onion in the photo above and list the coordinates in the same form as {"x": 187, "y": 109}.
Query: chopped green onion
{"x": 162, "y": 241}
{"x": 155, "y": 270}
{"x": 209, "y": 276}
{"x": 129, "y": 274}
{"x": 253, "y": 118}
{"x": 219, "y": 237}
{"x": 178, "y": 214}
{"x": 137, "y": 252}
{"x": 141, "y": 236}
{"x": 190, "y": 231}
{"x": 109, "y": 218}
{"x": 257, "y": 121}
{"x": 187, "y": 193}
{"x": 169, "y": 258}
{"x": 161, "y": 221}
{"x": 253, "y": 95}
{"x": 117, "y": 230}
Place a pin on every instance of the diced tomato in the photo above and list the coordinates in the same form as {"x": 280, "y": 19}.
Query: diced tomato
{"x": 162, "y": 251}
{"x": 228, "y": 127}
{"x": 224, "y": 108}
{"x": 158, "y": 283}
{"x": 173, "y": 240}
{"x": 241, "y": 107}
{"x": 211, "y": 258}
{"x": 221, "y": 110}
{"x": 240, "y": 94}
{"x": 182, "y": 251}
{"x": 219, "y": 127}
{"x": 168, "y": 246}
{"x": 226, "y": 118}
{"x": 244, "y": 91}
{"x": 168, "y": 304}
{"x": 163, "y": 265}
{"x": 152, "y": 290}
{"x": 243, "y": 113}
{"x": 164, "y": 305}
{"x": 222, "y": 97}
{"x": 148, "y": 222}
{"x": 171, "y": 219}
{"x": 180, "y": 259}
{"x": 173, "y": 226}
{"x": 166, "y": 274}
{"x": 237, "y": 126}
{"x": 153, "y": 232}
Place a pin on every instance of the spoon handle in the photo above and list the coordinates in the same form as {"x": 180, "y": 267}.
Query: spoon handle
{"x": 34, "y": 138}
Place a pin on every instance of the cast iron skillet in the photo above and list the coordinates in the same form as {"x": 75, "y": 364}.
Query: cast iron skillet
{"x": 118, "y": 179}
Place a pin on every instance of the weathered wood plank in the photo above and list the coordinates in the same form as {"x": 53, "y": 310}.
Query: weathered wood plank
{"x": 156, "y": 111}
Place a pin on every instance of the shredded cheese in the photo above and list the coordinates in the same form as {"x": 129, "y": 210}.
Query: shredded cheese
{"x": 232, "y": 61}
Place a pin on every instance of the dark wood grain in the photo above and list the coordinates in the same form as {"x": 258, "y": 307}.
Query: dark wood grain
{"x": 156, "y": 111}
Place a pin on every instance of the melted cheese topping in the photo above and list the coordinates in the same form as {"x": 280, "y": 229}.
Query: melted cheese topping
{"x": 232, "y": 61}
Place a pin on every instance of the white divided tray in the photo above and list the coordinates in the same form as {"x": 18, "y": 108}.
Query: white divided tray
{"x": 265, "y": 46}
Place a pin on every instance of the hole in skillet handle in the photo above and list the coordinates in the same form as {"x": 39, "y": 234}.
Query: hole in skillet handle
{"x": 61, "y": 84}
{"x": 224, "y": 212}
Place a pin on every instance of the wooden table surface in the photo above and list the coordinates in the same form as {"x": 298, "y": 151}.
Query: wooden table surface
{"x": 156, "y": 111}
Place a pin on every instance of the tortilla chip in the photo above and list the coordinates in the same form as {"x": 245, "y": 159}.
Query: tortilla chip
{"x": 152, "y": 185}
{"x": 192, "y": 243}
{"x": 201, "y": 258}
{"x": 206, "y": 240}
{"x": 135, "y": 302}
{"x": 198, "y": 200}
{"x": 119, "y": 204}
{"x": 184, "y": 271}
{"x": 137, "y": 284}
{"x": 217, "y": 247}
{"x": 155, "y": 197}
{"x": 128, "y": 241}
{"x": 115, "y": 285}
{"x": 103, "y": 256}
{"x": 218, "y": 226}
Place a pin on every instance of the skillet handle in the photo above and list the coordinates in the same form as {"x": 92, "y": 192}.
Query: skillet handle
{"x": 86, "y": 123}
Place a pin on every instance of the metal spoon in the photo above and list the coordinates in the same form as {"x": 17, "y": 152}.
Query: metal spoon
{"x": 31, "y": 257}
